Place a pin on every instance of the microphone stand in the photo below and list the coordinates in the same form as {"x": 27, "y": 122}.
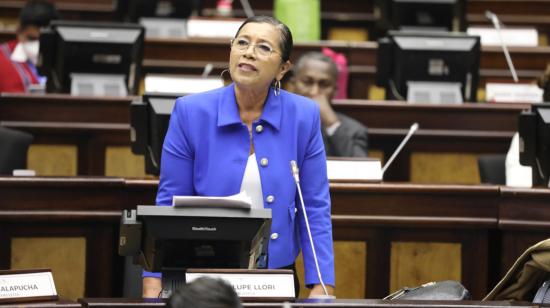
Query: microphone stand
{"x": 496, "y": 23}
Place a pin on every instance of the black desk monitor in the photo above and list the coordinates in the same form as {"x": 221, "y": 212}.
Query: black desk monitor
{"x": 403, "y": 57}
{"x": 69, "y": 47}
{"x": 534, "y": 133}
{"x": 433, "y": 15}
{"x": 149, "y": 121}
{"x": 172, "y": 239}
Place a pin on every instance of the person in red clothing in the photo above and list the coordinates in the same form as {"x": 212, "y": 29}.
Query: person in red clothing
{"x": 18, "y": 57}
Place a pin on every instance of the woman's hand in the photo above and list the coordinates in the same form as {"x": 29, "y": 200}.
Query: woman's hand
{"x": 152, "y": 287}
{"x": 318, "y": 290}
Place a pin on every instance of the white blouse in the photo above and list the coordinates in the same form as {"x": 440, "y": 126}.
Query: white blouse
{"x": 252, "y": 183}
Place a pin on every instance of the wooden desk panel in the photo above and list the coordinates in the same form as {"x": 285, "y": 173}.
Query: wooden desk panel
{"x": 524, "y": 217}
{"x": 191, "y": 55}
{"x": 377, "y": 214}
{"x": 90, "y": 123}
{"x": 336, "y": 303}
{"x": 95, "y": 123}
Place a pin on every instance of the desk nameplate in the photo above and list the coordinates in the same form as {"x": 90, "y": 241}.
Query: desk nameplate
{"x": 26, "y": 286}
{"x": 253, "y": 284}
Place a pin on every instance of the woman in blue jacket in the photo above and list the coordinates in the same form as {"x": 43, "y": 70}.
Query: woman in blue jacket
{"x": 243, "y": 137}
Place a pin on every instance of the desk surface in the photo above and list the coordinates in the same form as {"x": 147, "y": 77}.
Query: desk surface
{"x": 377, "y": 214}
{"x": 372, "y": 303}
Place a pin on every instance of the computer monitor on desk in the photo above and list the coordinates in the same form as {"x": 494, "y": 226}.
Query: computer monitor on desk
{"x": 87, "y": 58}
{"x": 171, "y": 239}
{"x": 429, "y": 61}
{"x": 438, "y": 15}
{"x": 149, "y": 119}
{"x": 534, "y": 133}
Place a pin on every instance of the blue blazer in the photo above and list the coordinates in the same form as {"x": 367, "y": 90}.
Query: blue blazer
{"x": 206, "y": 150}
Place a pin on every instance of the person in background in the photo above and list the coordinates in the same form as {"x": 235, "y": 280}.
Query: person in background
{"x": 315, "y": 76}
{"x": 205, "y": 292}
{"x": 242, "y": 138}
{"x": 18, "y": 57}
{"x": 544, "y": 83}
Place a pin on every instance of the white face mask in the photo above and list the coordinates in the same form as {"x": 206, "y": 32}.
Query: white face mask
{"x": 26, "y": 51}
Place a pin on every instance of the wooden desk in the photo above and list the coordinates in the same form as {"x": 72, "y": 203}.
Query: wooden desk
{"x": 189, "y": 56}
{"x": 336, "y": 303}
{"x": 90, "y": 123}
{"x": 377, "y": 214}
{"x": 52, "y": 304}
{"x": 95, "y": 123}
{"x": 513, "y": 13}
{"x": 524, "y": 219}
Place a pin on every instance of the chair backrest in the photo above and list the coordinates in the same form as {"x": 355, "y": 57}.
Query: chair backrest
{"x": 13, "y": 150}
{"x": 492, "y": 168}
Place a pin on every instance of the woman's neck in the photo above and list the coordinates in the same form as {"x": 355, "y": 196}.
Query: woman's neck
{"x": 251, "y": 103}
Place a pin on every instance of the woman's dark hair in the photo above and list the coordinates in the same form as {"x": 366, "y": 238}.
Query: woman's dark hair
{"x": 205, "y": 292}
{"x": 37, "y": 13}
{"x": 286, "y": 36}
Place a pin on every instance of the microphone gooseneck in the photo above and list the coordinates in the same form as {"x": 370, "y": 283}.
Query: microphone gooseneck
{"x": 296, "y": 175}
{"x": 496, "y": 23}
{"x": 412, "y": 130}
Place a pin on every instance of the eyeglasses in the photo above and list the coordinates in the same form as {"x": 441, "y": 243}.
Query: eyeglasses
{"x": 262, "y": 49}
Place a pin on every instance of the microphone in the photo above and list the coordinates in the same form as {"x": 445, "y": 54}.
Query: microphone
{"x": 247, "y": 8}
{"x": 296, "y": 175}
{"x": 207, "y": 69}
{"x": 496, "y": 23}
{"x": 412, "y": 130}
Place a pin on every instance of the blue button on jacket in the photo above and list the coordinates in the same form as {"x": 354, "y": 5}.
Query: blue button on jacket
{"x": 206, "y": 150}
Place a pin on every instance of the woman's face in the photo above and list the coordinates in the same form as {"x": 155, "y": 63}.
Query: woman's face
{"x": 255, "y": 58}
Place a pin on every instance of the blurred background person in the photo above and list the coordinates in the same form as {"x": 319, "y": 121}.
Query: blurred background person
{"x": 315, "y": 75}
{"x": 205, "y": 292}
{"x": 18, "y": 57}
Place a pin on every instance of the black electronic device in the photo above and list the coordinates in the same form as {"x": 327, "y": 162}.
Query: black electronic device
{"x": 197, "y": 237}
{"x": 149, "y": 120}
{"x": 534, "y": 148}
{"x": 424, "y": 15}
{"x": 69, "y": 47}
{"x": 172, "y": 239}
{"x": 434, "y": 57}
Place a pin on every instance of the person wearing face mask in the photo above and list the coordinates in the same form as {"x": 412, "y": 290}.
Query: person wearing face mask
{"x": 315, "y": 76}
{"x": 18, "y": 57}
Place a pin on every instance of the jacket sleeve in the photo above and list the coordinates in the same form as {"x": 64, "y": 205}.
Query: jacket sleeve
{"x": 177, "y": 160}
{"x": 315, "y": 189}
{"x": 176, "y": 172}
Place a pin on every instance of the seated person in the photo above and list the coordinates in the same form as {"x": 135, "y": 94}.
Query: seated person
{"x": 205, "y": 292}
{"x": 315, "y": 76}
{"x": 544, "y": 83}
{"x": 18, "y": 57}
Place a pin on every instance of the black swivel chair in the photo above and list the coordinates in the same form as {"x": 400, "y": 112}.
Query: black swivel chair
{"x": 13, "y": 150}
{"x": 492, "y": 169}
